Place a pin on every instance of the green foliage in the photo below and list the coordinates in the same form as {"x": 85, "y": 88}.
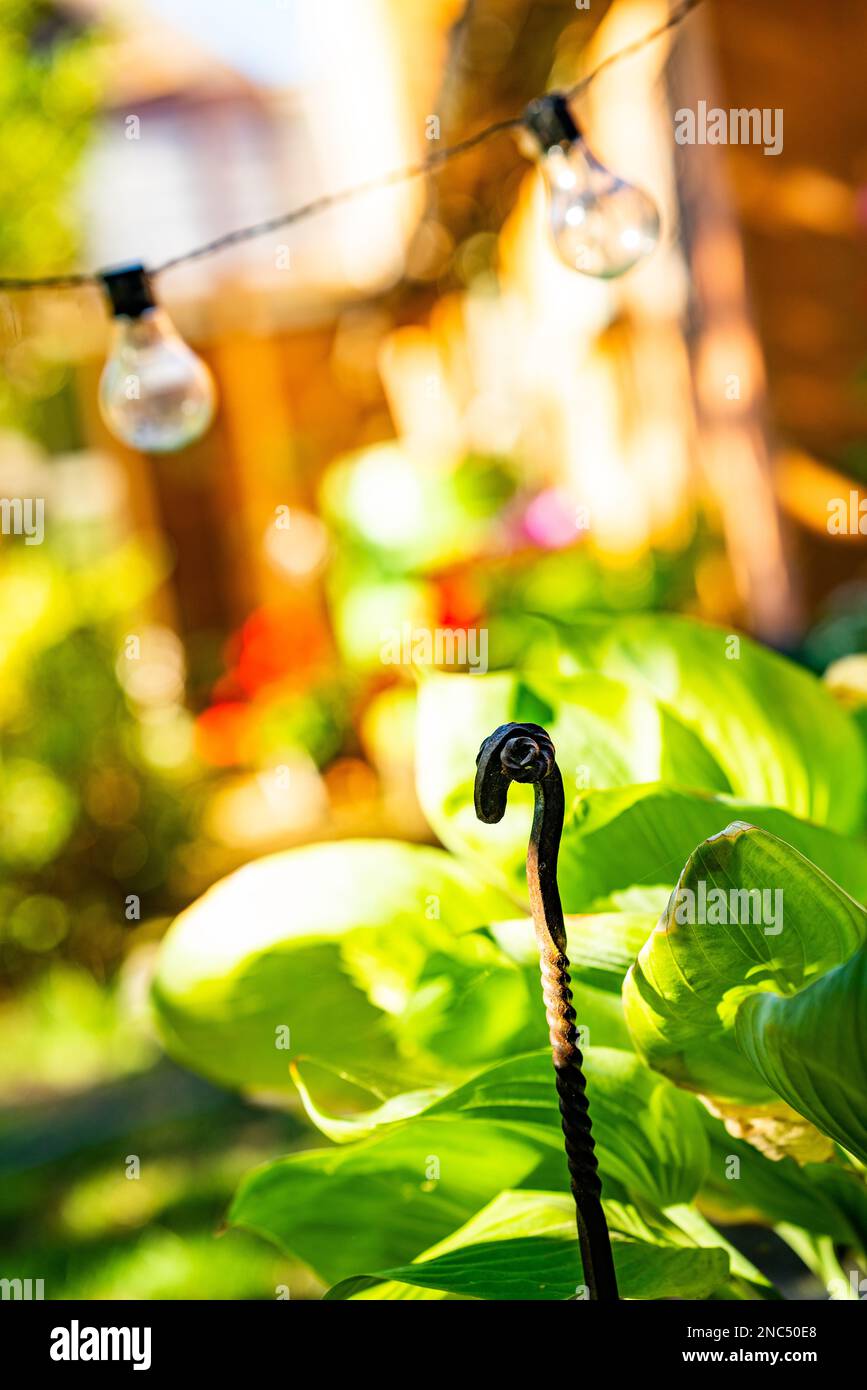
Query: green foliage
{"x": 606, "y": 735}
{"x": 94, "y": 1090}
{"x": 86, "y": 817}
{"x": 640, "y": 701}
{"x": 659, "y": 1153}
{"x": 523, "y": 1246}
{"x": 691, "y": 997}
{"x": 824, "y": 1199}
{"x": 86, "y": 820}
{"x": 809, "y": 1050}
{"x": 630, "y": 841}
{"x": 371, "y": 1205}
{"x": 418, "y": 1042}
{"x": 49, "y": 90}
{"x": 289, "y": 943}
{"x": 776, "y": 732}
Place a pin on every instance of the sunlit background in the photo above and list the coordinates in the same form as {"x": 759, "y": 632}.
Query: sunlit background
{"x": 425, "y": 419}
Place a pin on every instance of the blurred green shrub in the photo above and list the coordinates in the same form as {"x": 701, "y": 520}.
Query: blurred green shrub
{"x": 49, "y": 90}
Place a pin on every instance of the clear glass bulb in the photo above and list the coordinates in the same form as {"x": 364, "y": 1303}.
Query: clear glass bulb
{"x": 601, "y": 224}
{"x": 155, "y": 394}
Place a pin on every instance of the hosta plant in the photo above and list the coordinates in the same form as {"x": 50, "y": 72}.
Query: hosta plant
{"x": 712, "y": 870}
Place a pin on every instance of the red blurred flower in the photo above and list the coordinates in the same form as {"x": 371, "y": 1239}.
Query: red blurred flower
{"x": 459, "y": 601}
{"x": 221, "y": 733}
{"x": 276, "y": 644}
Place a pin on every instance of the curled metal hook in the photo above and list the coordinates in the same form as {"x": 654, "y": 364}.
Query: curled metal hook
{"x": 525, "y": 753}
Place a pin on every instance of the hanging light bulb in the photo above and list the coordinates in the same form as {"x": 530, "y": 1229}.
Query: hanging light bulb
{"x": 155, "y": 394}
{"x": 601, "y": 225}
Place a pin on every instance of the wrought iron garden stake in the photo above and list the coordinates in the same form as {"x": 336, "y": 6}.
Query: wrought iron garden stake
{"x": 525, "y": 753}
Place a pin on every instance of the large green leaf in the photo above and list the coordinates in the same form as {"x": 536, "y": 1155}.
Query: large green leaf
{"x": 524, "y": 1247}
{"x": 746, "y": 1010}
{"x": 429, "y": 1163}
{"x": 649, "y": 1135}
{"x": 384, "y": 1200}
{"x": 460, "y": 998}
{"x": 640, "y": 791}
{"x": 601, "y": 946}
{"x": 825, "y": 1199}
{"x": 263, "y": 952}
{"x": 812, "y": 1049}
{"x": 616, "y": 842}
{"x": 776, "y": 732}
{"x": 351, "y": 1102}
{"x": 476, "y": 998}
{"x": 605, "y": 733}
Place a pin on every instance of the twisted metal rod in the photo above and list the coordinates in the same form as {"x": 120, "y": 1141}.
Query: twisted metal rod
{"x": 525, "y": 753}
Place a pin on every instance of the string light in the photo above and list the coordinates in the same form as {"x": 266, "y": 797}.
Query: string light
{"x": 156, "y": 395}
{"x": 601, "y": 225}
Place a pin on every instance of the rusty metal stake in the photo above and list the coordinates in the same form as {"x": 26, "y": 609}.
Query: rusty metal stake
{"x": 525, "y": 753}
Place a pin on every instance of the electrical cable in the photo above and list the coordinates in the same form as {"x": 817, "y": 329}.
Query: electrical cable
{"x": 329, "y": 200}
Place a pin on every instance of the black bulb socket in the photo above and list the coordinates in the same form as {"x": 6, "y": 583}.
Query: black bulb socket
{"x": 129, "y": 291}
{"x": 551, "y": 122}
